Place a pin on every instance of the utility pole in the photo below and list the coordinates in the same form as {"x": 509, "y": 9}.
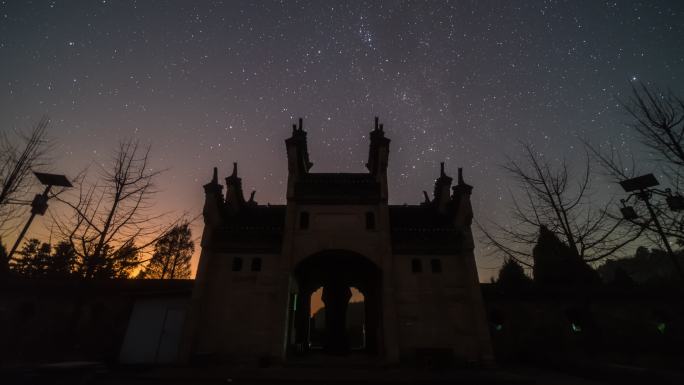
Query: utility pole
{"x": 644, "y": 186}
{"x": 39, "y": 204}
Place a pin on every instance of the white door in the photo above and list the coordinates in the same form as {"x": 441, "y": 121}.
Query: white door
{"x": 154, "y": 331}
{"x": 169, "y": 340}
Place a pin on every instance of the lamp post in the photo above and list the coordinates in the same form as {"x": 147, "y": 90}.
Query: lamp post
{"x": 39, "y": 204}
{"x": 642, "y": 187}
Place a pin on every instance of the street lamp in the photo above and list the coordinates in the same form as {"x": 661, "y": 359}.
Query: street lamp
{"x": 641, "y": 187}
{"x": 39, "y": 204}
{"x": 675, "y": 202}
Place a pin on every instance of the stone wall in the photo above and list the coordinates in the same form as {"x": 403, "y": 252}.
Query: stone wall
{"x": 434, "y": 305}
{"x": 240, "y": 308}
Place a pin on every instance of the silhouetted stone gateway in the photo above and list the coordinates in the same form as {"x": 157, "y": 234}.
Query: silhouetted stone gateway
{"x": 414, "y": 265}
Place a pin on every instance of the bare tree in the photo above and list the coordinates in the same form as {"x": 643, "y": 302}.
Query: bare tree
{"x": 17, "y": 158}
{"x": 554, "y": 198}
{"x": 111, "y": 225}
{"x": 658, "y": 122}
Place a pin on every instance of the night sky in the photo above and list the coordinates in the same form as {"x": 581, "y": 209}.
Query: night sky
{"x": 208, "y": 83}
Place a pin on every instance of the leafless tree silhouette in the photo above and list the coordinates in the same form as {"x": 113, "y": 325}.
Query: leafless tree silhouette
{"x": 18, "y": 157}
{"x": 110, "y": 224}
{"x": 550, "y": 195}
{"x": 658, "y": 122}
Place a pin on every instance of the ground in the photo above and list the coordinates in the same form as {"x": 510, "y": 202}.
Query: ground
{"x": 95, "y": 373}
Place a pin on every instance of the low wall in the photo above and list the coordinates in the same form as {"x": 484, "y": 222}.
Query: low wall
{"x": 49, "y": 321}
{"x": 625, "y": 325}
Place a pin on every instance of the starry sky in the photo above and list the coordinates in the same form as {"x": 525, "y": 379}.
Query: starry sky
{"x": 208, "y": 83}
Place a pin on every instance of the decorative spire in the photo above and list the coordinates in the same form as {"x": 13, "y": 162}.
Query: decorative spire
{"x": 462, "y": 186}
{"x": 297, "y": 127}
{"x": 442, "y": 189}
{"x": 297, "y": 152}
{"x": 213, "y": 186}
{"x": 379, "y": 127}
{"x": 378, "y": 144}
{"x": 461, "y": 199}
{"x": 443, "y": 177}
{"x": 213, "y": 200}
{"x": 251, "y": 201}
{"x": 427, "y": 198}
{"x": 234, "y": 196}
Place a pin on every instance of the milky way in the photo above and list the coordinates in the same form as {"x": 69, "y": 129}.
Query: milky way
{"x": 210, "y": 83}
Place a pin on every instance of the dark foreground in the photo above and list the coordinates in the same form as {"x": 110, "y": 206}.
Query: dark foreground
{"x": 97, "y": 373}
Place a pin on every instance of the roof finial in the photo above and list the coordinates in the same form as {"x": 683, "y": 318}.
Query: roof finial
{"x": 294, "y": 128}
{"x": 234, "y": 169}
{"x": 441, "y": 169}
{"x": 460, "y": 175}
{"x": 382, "y": 127}
{"x": 376, "y": 123}
{"x": 214, "y": 179}
{"x": 300, "y": 124}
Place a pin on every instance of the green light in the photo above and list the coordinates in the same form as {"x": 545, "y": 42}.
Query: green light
{"x": 498, "y": 327}
{"x": 661, "y": 327}
{"x": 576, "y": 328}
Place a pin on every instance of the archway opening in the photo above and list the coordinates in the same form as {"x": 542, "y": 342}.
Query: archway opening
{"x": 336, "y": 306}
{"x": 355, "y": 322}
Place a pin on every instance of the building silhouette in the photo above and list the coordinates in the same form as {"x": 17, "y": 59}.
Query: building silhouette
{"x": 414, "y": 265}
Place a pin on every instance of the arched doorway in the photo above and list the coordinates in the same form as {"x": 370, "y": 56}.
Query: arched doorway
{"x": 355, "y": 323}
{"x": 335, "y": 273}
